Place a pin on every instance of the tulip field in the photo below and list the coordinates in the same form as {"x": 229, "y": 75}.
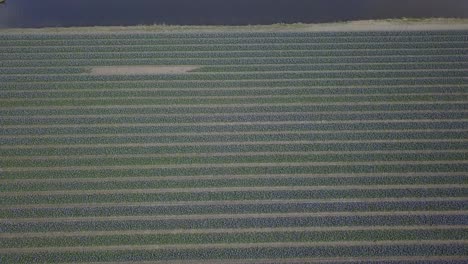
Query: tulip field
{"x": 234, "y": 147}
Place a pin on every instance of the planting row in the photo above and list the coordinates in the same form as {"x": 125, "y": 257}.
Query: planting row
{"x": 311, "y": 126}
{"x": 252, "y": 83}
{"x": 235, "y": 47}
{"x": 230, "y": 54}
{"x": 214, "y": 181}
{"x": 450, "y": 250}
{"x": 235, "y": 61}
{"x": 234, "y": 169}
{"x": 238, "y": 76}
{"x": 231, "y": 238}
{"x": 239, "y": 34}
{"x": 28, "y": 112}
{"x": 253, "y": 91}
{"x": 230, "y": 194}
{"x": 186, "y": 119}
{"x": 233, "y": 41}
{"x": 267, "y": 99}
{"x": 231, "y": 158}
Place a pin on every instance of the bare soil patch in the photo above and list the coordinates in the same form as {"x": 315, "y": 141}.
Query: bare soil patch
{"x": 141, "y": 70}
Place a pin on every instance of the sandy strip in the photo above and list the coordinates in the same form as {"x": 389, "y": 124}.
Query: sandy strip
{"x": 140, "y": 70}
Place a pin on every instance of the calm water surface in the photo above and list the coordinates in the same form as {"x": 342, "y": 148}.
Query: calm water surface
{"x": 41, "y": 13}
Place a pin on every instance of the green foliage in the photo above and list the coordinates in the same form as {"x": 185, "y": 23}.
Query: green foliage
{"x": 361, "y": 132}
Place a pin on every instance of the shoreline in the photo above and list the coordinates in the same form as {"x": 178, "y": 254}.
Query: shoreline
{"x": 431, "y": 24}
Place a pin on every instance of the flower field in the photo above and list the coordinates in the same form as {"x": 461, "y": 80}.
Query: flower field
{"x": 279, "y": 147}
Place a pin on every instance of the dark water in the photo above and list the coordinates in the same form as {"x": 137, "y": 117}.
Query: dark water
{"x": 41, "y": 13}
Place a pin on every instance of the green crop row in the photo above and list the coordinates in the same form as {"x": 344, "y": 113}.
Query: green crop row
{"x": 227, "y": 207}
{"x": 259, "y": 34}
{"x": 278, "y": 158}
{"x": 200, "y": 119}
{"x": 234, "y": 83}
{"x": 396, "y": 219}
{"x": 149, "y": 92}
{"x": 238, "y": 195}
{"x": 236, "y": 76}
{"x": 226, "y": 100}
{"x": 221, "y": 181}
{"x": 233, "y": 47}
{"x": 267, "y": 136}
{"x": 322, "y": 67}
{"x": 232, "y": 41}
{"x": 44, "y": 70}
{"x": 246, "y": 253}
{"x": 155, "y": 109}
{"x": 318, "y": 108}
{"x": 267, "y": 168}
{"x": 254, "y": 237}
{"x": 135, "y": 155}
{"x": 230, "y": 54}
{"x": 236, "y": 127}
{"x": 235, "y": 61}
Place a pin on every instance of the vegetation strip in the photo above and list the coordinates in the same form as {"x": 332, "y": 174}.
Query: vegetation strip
{"x": 232, "y": 143}
{"x": 230, "y": 202}
{"x": 230, "y": 154}
{"x": 223, "y": 97}
{"x": 226, "y": 246}
{"x": 243, "y": 40}
{"x": 312, "y": 88}
{"x": 88, "y": 60}
{"x": 228, "y": 216}
{"x": 210, "y": 35}
{"x": 151, "y": 106}
{"x": 233, "y": 189}
{"x": 263, "y": 51}
{"x": 334, "y": 260}
{"x": 279, "y": 113}
{"x": 260, "y": 43}
{"x": 193, "y": 134}
{"x": 226, "y": 231}
{"x": 411, "y": 65}
{"x": 316, "y": 147}
{"x": 213, "y": 124}
{"x": 214, "y": 177}
{"x": 217, "y": 77}
{"x": 228, "y": 165}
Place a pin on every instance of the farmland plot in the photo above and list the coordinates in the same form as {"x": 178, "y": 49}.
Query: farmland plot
{"x": 262, "y": 147}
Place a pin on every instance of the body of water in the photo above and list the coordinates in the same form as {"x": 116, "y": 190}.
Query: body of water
{"x": 51, "y": 13}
